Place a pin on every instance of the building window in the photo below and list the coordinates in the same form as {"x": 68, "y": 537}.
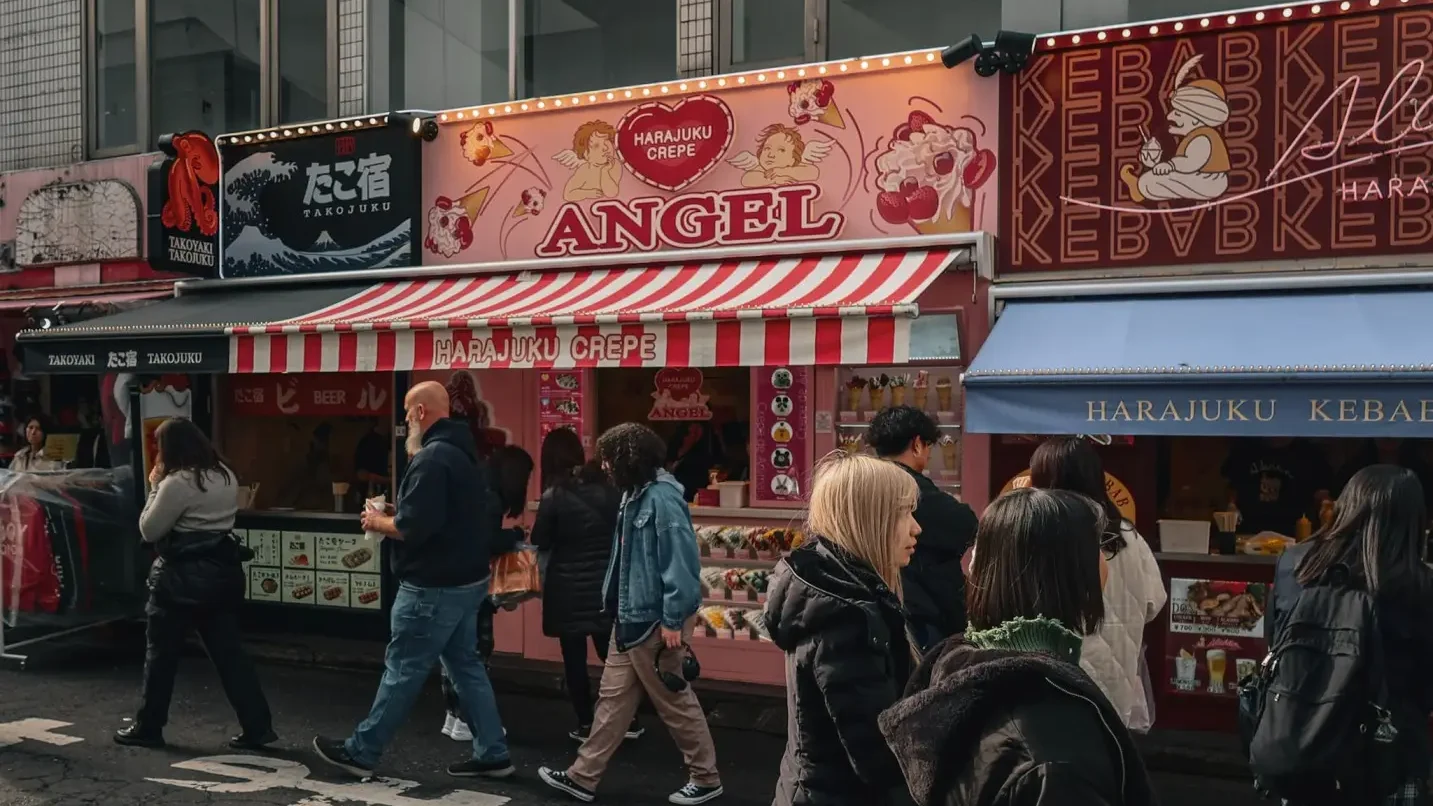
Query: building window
{"x": 867, "y": 27}
{"x": 576, "y": 45}
{"x": 303, "y": 60}
{"x": 765, "y": 33}
{"x": 116, "y": 117}
{"x": 1140, "y": 10}
{"x": 437, "y": 54}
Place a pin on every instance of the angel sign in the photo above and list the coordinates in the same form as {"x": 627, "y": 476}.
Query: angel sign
{"x": 783, "y": 157}
{"x": 596, "y": 171}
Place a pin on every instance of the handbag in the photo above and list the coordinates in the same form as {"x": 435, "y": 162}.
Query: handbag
{"x": 515, "y": 577}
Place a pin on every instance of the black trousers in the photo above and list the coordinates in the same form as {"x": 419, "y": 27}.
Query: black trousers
{"x": 219, "y": 630}
{"x": 574, "y": 666}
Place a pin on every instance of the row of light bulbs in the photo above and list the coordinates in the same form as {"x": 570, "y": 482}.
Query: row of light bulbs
{"x": 1278, "y": 14}
{"x": 716, "y": 82}
{"x": 305, "y": 130}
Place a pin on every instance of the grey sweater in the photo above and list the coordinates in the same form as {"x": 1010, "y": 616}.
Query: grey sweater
{"x": 177, "y": 505}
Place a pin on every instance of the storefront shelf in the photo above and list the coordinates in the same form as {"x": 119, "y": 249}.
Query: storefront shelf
{"x": 740, "y": 562}
{"x": 1225, "y": 559}
{"x": 943, "y": 426}
{"x": 793, "y": 516}
{"x": 738, "y": 601}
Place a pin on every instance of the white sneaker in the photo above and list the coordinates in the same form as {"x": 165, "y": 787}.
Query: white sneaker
{"x": 448, "y": 725}
{"x": 460, "y": 733}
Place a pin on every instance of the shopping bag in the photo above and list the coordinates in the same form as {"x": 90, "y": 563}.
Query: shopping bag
{"x": 515, "y": 577}
{"x": 544, "y": 559}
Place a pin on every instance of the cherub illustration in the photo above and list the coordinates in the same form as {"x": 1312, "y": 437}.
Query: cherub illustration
{"x": 480, "y": 144}
{"x": 783, "y": 157}
{"x": 596, "y": 171}
{"x": 1199, "y": 169}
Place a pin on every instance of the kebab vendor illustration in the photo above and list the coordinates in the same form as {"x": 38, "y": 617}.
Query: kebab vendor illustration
{"x": 1199, "y": 168}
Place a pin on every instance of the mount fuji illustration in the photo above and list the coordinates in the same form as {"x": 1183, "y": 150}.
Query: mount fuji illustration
{"x": 251, "y": 250}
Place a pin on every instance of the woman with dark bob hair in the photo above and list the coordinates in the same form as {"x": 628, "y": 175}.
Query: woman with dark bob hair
{"x": 1377, "y": 538}
{"x": 197, "y": 581}
{"x": 1134, "y": 592}
{"x": 1004, "y": 714}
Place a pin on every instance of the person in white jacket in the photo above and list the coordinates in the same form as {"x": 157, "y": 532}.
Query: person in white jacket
{"x": 1135, "y": 592}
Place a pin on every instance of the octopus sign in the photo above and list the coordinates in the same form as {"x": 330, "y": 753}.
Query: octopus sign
{"x": 874, "y": 153}
{"x": 184, "y": 205}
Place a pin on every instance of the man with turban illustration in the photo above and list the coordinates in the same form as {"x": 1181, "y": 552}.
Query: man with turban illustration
{"x": 1199, "y": 169}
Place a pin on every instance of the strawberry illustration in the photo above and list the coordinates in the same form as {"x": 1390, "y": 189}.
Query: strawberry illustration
{"x": 980, "y": 169}
{"x": 893, "y": 207}
{"x": 923, "y": 204}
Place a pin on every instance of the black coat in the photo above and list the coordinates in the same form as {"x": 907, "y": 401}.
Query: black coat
{"x": 198, "y": 570}
{"x": 934, "y": 584}
{"x": 1003, "y": 728}
{"x": 444, "y": 512}
{"x": 847, "y": 659}
{"x": 576, "y": 521}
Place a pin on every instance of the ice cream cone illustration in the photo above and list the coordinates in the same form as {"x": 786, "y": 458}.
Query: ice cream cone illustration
{"x": 450, "y": 222}
{"x": 532, "y": 202}
{"x": 930, "y": 175}
{"x": 832, "y": 117}
{"x": 942, "y": 393}
{"x": 854, "y": 387}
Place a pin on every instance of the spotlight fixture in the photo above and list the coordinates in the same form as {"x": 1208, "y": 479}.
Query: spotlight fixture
{"x": 1010, "y": 52}
{"x": 961, "y": 51}
{"x": 417, "y": 124}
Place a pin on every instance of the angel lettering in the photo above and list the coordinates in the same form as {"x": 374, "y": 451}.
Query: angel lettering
{"x": 596, "y": 171}
{"x": 783, "y": 157}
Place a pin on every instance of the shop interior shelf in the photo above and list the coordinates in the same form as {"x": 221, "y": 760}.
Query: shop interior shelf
{"x": 740, "y": 562}
{"x": 866, "y": 424}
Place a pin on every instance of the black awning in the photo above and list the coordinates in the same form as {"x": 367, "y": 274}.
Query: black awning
{"x": 189, "y": 333}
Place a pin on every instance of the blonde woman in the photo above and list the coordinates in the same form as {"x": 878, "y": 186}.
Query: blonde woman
{"x": 834, "y": 608}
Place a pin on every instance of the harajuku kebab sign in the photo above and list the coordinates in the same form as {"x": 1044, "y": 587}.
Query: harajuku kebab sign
{"x": 820, "y": 153}
{"x": 1303, "y": 135}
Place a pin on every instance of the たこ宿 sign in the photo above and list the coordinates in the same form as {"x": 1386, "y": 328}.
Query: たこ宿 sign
{"x": 814, "y": 154}
{"x": 1288, "y": 140}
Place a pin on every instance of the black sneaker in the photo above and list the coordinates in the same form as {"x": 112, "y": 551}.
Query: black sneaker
{"x": 693, "y": 795}
{"x": 635, "y": 730}
{"x": 260, "y": 742}
{"x": 580, "y": 735}
{"x": 334, "y": 752}
{"x": 558, "y": 780}
{"x": 473, "y": 768}
{"x": 135, "y": 736}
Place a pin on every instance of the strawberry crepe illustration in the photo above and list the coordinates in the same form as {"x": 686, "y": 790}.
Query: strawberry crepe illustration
{"x": 532, "y": 202}
{"x": 928, "y": 175}
{"x": 450, "y": 222}
{"x": 812, "y": 99}
{"x": 480, "y": 143}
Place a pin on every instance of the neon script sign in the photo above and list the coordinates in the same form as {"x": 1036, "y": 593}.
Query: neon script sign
{"x": 1197, "y": 171}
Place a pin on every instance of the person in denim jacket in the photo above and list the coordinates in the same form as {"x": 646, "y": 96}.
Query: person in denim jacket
{"x": 653, "y": 590}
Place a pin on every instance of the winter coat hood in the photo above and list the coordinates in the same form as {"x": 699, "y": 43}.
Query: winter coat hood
{"x": 817, "y": 583}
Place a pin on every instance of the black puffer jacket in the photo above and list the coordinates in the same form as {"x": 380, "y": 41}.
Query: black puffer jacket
{"x": 1005, "y": 728}
{"x": 199, "y": 570}
{"x": 934, "y": 583}
{"x": 576, "y": 521}
{"x": 847, "y": 659}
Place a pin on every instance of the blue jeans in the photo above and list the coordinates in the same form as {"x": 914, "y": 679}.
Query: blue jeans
{"x": 429, "y": 624}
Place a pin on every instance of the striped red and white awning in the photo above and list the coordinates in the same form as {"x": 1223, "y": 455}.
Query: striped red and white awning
{"x": 837, "y": 309}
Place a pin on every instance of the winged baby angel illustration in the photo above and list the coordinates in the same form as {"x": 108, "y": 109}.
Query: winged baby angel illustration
{"x": 596, "y": 170}
{"x": 783, "y": 157}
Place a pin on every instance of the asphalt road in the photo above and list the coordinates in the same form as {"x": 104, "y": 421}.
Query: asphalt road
{"x": 55, "y": 749}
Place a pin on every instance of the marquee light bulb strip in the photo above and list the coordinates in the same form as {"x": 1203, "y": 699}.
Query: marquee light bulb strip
{"x": 693, "y": 85}
{"x": 302, "y": 130}
{"x": 1291, "y": 12}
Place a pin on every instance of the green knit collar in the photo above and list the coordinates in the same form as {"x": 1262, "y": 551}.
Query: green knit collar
{"x": 1030, "y": 635}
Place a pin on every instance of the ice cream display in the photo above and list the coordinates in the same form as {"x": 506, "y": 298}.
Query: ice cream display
{"x": 854, "y": 387}
{"x": 921, "y": 385}
{"x": 928, "y": 175}
{"x": 898, "y": 389}
{"x": 943, "y": 393}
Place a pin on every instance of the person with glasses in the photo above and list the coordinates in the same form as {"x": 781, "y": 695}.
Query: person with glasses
{"x": 1135, "y": 592}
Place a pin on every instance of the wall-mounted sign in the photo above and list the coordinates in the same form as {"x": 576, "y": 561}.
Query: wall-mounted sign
{"x": 782, "y": 454}
{"x": 334, "y": 202}
{"x": 78, "y": 222}
{"x": 183, "y": 205}
{"x": 1304, "y": 140}
{"x": 327, "y": 394}
{"x": 1116, "y": 489}
{"x": 153, "y": 356}
{"x": 679, "y": 396}
{"x": 871, "y": 154}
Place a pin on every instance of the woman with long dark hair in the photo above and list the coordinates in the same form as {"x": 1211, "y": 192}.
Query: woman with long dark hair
{"x": 197, "y": 581}
{"x": 1378, "y": 536}
{"x": 510, "y": 471}
{"x": 1134, "y": 593}
{"x": 575, "y": 523}
{"x": 1003, "y": 714}
{"x": 32, "y": 455}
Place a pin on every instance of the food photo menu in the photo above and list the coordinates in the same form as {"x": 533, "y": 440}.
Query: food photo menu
{"x": 325, "y": 569}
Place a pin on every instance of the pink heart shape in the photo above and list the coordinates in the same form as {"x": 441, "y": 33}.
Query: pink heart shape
{"x": 670, "y": 147}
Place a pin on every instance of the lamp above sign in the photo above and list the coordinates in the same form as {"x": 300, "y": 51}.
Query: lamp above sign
{"x": 1299, "y": 140}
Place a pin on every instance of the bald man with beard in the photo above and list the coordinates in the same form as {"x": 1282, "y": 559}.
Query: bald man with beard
{"x": 442, "y": 535}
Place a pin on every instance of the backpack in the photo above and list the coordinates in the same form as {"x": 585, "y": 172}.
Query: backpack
{"x": 1315, "y": 715}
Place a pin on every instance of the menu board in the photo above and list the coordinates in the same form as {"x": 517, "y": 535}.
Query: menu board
{"x": 781, "y": 439}
{"x": 560, "y": 401}
{"x": 324, "y": 569}
{"x": 1216, "y": 635}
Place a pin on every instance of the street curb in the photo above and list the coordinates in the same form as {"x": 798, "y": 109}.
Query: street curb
{"x": 745, "y": 707}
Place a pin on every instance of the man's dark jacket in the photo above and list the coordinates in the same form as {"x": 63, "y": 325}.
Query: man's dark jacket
{"x": 934, "y": 583}
{"x": 443, "y": 514}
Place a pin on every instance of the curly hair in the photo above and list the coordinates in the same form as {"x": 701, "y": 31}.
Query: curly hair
{"x": 632, "y": 453}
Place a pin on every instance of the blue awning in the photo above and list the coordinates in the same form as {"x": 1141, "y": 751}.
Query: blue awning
{"x": 1325, "y": 364}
